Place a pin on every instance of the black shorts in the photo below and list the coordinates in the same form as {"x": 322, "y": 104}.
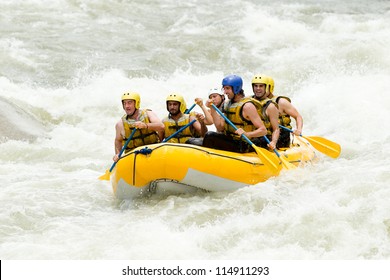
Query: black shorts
{"x": 284, "y": 139}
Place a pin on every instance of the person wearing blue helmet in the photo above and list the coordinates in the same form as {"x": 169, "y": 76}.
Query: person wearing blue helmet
{"x": 242, "y": 112}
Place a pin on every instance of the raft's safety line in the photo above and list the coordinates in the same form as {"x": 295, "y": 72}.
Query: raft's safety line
{"x": 143, "y": 151}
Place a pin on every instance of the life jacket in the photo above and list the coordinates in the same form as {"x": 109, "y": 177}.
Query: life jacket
{"x": 141, "y": 136}
{"x": 261, "y": 106}
{"x": 171, "y": 126}
{"x": 233, "y": 112}
{"x": 284, "y": 119}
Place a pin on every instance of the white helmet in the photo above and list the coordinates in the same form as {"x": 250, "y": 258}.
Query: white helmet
{"x": 215, "y": 90}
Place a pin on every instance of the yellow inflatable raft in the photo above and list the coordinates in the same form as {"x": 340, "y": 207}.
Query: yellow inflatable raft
{"x": 181, "y": 168}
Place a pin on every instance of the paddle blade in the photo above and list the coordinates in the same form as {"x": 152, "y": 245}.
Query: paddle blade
{"x": 324, "y": 145}
{"x": 105, "y": 176}
{"x": 269, "y": 159}
{"x": 286, "y": 164}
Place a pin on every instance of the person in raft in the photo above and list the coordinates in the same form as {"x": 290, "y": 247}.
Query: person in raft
{"x": 216, "y": 97}
{"x": 177, "y": 119}
{"x": 145, "y": 121}
{"x": 242, "y": 112}
{"x": 286, "y": 111}
{"x": 267, "y": 110}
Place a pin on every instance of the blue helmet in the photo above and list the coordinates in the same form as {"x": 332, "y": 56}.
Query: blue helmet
{"x": 234, "y": 81}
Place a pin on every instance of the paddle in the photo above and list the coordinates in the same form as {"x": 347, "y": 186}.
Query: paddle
{"x": 106, "y": 176}
{"x": 266, "y": 157}
{"x": 322, "y": 144}
{"x": 189, "y": 110}
{"x": 285, "y": 163}
{"x": 180, "y": 130}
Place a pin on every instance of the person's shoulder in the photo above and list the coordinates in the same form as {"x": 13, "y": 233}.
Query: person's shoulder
{"x": 149, "y": 112}
{"x": 120, "y": 121}
{"x": 119, "y": 124}
{"x": 249, "y": 105}
{"x": 252, "y": 102}
{"x": 283, "y": 99}
{"x": 284, "y": 104}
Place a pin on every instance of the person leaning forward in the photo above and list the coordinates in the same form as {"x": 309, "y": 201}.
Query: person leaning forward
{"x": 144, "y": 120}
{"x": 242, "y": 112}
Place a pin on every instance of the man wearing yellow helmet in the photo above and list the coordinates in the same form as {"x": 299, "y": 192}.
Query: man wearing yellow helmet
{"x": 267, "y": 109}
{"x": 176, "y": 119}
{"x": 286, "y": 111}
{"x": 144, "y": 120}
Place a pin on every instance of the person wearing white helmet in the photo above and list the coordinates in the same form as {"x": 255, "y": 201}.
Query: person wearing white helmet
{"x": 216, "y": 97}
{"x": 144, "y": 120}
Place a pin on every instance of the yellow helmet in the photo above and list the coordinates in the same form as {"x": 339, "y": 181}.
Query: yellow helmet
{"x": 271, "y": 84}
{"x": 177, "y": 97}
{"x": 132, "y": 96}
{"x": 262, "y": 79}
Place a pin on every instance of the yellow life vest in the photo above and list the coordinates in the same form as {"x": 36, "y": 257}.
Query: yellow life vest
{"x": 141, "y": 136}
{"x": 233, "y": 112}
{"x": 284, "y": 119}
{"x": 171, "y": 126}
{"x": 261, "y": 106}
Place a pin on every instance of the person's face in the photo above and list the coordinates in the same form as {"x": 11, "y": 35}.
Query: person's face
{"x": 259, "y": 90}
{"x": 228, "y": 90}
{"x": 173, "y": 107}
{"x": 216, "y": 98}
{"x": 129, "y": 106}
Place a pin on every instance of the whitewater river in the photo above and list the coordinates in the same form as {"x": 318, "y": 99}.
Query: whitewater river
{"x": 65, "y": 63}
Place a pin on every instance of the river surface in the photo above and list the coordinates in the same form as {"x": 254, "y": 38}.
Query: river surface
{"x": 65, "y": 63}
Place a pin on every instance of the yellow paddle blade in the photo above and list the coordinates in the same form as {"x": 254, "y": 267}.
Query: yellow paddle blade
{"x": 324, "y": 145}
{"x": 105, "y": 176}
{"x": 286, "y": 164}
{"x": 268, "y": 158}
